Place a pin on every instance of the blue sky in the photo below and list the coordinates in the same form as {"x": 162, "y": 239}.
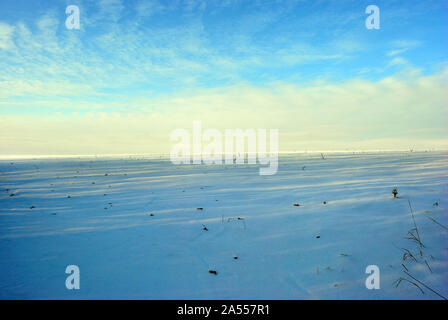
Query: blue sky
{"x": 159, "y": 58}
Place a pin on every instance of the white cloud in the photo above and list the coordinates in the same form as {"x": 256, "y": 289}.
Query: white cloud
{"x": 33, "y": 88}
{"x": 396, "y": 51}
{"x": 6, "y": 33}
{"x": 404, "y": 43}
{"x": 394, "y": 113}
{"x": 149, "y": 8}
{"x": 402, "y": 46}
{"x": 72, "y": 71}
{"x": 398, "y": 61}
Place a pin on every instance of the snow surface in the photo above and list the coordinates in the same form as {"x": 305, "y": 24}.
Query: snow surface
{"x": 123, "y": 252}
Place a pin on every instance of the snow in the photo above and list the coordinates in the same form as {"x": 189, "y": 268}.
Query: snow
{"x": 311, "y": 251}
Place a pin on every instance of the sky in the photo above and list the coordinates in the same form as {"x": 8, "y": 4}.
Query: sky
{"x": 137, "y": 70}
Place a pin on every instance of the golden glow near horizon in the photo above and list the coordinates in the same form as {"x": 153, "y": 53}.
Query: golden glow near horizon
{"x": 354, "y": 115}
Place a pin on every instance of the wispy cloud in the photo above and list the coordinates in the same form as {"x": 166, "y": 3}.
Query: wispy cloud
{"x": 402, "y": 46}
{"x": 386, "y": 114}
{"x": 6, "y": 36}
{"x": 159, "y": 64}
{"x": 397, "y": 61}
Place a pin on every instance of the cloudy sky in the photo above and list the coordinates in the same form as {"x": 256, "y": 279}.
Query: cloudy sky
{"x": 136, "y": 70}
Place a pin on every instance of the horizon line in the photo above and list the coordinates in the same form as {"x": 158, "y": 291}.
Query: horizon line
{"x": 115, "y": 155}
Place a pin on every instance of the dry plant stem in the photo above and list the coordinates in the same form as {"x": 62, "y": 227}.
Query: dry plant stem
{"x": 435, "y": 221}
{"x": 408, "y": 254}
{"x": 425, "y": 286}
{"x": 398, "y": 281}
{"x": 427, "y": 264}
{"x": 415, "y": 225}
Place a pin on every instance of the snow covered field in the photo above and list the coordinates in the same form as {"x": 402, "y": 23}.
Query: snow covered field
{"x": 96, "y": 214}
